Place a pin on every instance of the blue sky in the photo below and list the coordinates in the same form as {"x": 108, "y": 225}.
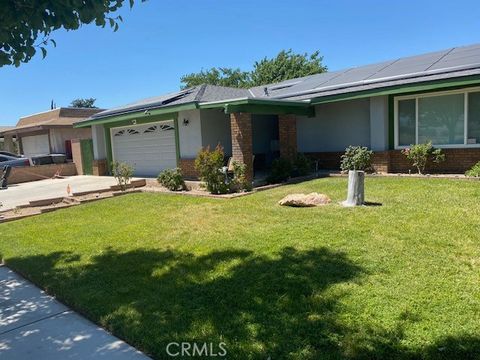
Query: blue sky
{"x": 160, "y": 40}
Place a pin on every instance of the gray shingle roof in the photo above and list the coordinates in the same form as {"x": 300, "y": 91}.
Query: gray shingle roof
{"x": 199, "y": 94}
{"x": 450, "y": 63}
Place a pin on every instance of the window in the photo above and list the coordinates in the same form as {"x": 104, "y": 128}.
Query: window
{"x": 446, "y": 119}
{"x": 441, "y": 119}
{"x": 473, "y": 133}
{"x": 406, "y": 122}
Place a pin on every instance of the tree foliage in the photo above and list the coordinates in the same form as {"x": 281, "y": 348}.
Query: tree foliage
{"x": 217, "y": 76}
{"x": 286, "y": 65}
{"x": 26, "y": 25}
{"x": 84, "y": 103}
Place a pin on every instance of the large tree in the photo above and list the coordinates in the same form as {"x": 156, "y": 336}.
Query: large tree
{"x": 286, "y": 65}
{"x": 217, "y": 76}
{"x": 26, "y": 25}
{"x": 84, "y": 103}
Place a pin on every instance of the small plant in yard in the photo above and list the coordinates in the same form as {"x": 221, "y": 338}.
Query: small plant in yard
{"x": 209, "y": 165}
{"x": 172, "y": 179}
{"x": 240, "y": 181}
{"x": 420, "y": 154}
{"x": 356, "y": 158}
{"x": 122, "y": 172}
{"x": 302, "y": 165}
{"x": 474, "y": 171}
{"x": 281, "y": 170}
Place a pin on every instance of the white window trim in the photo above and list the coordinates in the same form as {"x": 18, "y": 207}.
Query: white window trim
{"x": 416, "y": 97}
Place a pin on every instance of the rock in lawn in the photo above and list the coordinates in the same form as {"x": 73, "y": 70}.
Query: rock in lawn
{"x": 302, "y": 200}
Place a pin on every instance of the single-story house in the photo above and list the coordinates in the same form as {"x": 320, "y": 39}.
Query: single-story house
{"x": 50, "y": 131}
{"x": 386, "y": 106}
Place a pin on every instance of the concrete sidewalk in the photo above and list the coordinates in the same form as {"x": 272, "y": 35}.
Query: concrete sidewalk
{"x": 34, "y": 325}
{"x": 22, "y": 194}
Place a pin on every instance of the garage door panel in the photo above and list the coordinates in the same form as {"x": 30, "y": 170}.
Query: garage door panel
{"x": 148, "y": 148}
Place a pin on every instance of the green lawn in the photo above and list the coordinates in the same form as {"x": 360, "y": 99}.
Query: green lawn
{"x": 401, "y": 280}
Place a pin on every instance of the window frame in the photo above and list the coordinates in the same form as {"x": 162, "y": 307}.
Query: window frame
{"x": 416, "y": 97}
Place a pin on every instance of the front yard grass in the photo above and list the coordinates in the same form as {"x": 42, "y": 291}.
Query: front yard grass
{"x": 399, "y": 280}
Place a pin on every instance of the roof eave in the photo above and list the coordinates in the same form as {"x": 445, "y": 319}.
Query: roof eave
{"x": 136, "y": 114}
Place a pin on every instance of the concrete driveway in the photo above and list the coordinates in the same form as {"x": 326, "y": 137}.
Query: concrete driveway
{"x": 34, "y": 325}
{"x": 22, "y": 194}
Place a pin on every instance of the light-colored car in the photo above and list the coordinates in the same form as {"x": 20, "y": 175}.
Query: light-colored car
{"x": 13, "y": 161}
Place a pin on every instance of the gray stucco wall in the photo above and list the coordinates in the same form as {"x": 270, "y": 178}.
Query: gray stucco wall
{"x": 216, "y": 129}
{"x": 335, "y": 126}
{"x": 379, "y": 123}
{"x": 190, "y": 136}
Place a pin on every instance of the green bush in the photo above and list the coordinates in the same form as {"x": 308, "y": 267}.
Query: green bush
{"x": 420, "y": 154}
{"x": 302, "y": 165}
{"x": 240, "y": 181}
{"x": 281, "y": 170}
{"x": 209, "y": 165}
{"x": 474, "y": 171}
{"x": 122, "y": 172}
{"x": 356, "y": 158}
{"x": 172, "y": 179}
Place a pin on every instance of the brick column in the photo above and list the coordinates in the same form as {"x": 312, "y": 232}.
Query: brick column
{"x": 242, "y": 146}
{"x": 287, "y": 133}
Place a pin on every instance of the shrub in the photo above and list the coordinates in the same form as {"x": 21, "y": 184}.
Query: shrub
{"x": 209, "y": 165}
{"x": 172, "y": 179}
{"x": 281, "y": 170}
{"x": 240, "y": 181}
{"x": 302, "y": 165}
{"x": 420, "y": 154}
{"x": 122, "y": 172}
{"x": 474, "y": 171}
{"x": 356, "y": 158}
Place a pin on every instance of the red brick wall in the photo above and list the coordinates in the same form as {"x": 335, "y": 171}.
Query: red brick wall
{"x": 40, "y": 172}
{"x": 457, "y": 161}
{"x": 242, "y": 145}
{"x": 188, "y": 168}
{"x": 287, "y": 133}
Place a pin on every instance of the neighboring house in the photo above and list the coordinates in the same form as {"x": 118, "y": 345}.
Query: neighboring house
{"x": 386, "y": 107}
{"x": 7, "y": 142}
{"x": 49, "y": 132}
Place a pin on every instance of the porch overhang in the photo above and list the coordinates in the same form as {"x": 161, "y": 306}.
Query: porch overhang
{"x": 262, "y": 106}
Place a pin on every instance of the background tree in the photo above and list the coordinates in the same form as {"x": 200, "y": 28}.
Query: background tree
{"x": 217, "y": 76}
{"x": 26, "y": 25}
{"x": 84, "y": 103}
{"x": 286, "y": 65}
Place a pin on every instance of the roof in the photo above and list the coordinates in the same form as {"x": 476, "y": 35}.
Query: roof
{"x": 197, "y": 94}
{"x": 451, "y": 63}
{"x": 61, "y": 117}
{"x": 5, "y": 128}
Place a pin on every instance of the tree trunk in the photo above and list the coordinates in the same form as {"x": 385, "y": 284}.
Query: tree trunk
{"x": 356, "y": 188}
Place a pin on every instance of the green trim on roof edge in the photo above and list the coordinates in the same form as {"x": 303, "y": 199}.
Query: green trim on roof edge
{"x": 269, "y": 109}
{"x": 140, "y": 116}
{"x": 403, "y": 89}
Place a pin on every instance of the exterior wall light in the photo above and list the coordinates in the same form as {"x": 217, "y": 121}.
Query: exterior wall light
{"x": 186, "y": 122}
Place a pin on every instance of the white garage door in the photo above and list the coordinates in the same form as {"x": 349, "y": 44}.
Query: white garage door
{"x": 35, "y": 145}
{"x": 149, "y": 148}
